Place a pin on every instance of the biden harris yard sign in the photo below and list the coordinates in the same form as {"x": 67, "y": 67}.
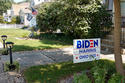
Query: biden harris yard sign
{"x": 86, "y": 50}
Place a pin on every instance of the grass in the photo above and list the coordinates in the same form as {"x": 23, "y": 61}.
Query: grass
{"x": 53, "y": 72}
{"x": 24, "y": 45}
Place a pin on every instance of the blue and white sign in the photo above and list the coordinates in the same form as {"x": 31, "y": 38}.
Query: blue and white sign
{"x": 29, "y": 17}
{"x": 86, "y": 50}
{"x": 33, "y": 22}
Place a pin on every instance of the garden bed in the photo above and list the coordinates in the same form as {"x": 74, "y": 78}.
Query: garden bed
{"x": 53, "y": 73}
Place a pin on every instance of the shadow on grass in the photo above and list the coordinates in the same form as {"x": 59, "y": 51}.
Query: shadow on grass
{"x": 52, "y": 73}
{"x": 29, "y": 48}
{"x": 45, "y": 44}
{"x": 54, "y": 42}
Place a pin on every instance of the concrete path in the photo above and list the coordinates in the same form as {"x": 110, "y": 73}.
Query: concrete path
{"x": 111, "y": 57}
{"x": 33, "y": 58}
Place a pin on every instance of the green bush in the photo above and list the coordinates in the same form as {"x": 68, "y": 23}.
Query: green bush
{"x": 4, "y": 51}
{"x": 14, "y": 20}
{"x": 1, "y": 19}
{"x": 7, "y": 65}
{"x": 81, "y": 78}
{"x": 57, "y": 36}
{"x": 18, "y": 20}
{"x": 99, "y": 74}
{"x": 100, "y": 71}
{"x": 79, "y": 18}
{"x": 117, "y": 78}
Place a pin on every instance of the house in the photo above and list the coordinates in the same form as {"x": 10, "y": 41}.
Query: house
{"x": 107, "y": 43}
{"x": 7, "y": 16}
{"x": 110, "y": 7}
{"x": 17, "y": 7}
{"x": 37, "y": 2}
{"x": 24, "y": 15}
{"x": 14, "y": 11}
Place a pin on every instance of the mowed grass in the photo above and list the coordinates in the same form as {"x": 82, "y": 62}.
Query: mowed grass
{"x": 29, "y": 44}
{"x": 52, "y": 73}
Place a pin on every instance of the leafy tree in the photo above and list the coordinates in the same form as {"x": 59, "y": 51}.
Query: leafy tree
{"x": 79, "y": 18}
{"x": 49, "y": 14}
{"x": 18, "y": 20}
{"x": 4, "y": 5}
{"x": 1, "y": 19}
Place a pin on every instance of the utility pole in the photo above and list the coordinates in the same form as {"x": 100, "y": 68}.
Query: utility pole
{"x": 117, "y": 34}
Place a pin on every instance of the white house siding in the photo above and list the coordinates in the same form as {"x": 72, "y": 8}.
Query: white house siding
{"x": 37, "y": 2}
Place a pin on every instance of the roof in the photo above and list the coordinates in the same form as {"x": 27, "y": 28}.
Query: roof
{"x": 17, "y": 7}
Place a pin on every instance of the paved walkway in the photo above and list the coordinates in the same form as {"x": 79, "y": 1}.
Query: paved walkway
{"x": 111, "y": 57}
{"x": 32, "y": 58}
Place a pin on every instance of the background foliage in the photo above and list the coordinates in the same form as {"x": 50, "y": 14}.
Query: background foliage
{"x": 4, "y": 5}
{"x": 14, "y": 20}
{"x": 77, "y": 18}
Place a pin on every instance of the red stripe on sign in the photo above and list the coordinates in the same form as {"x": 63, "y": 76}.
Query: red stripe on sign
{"x": 91, "y": 40}
{"x": 91, "y": 46}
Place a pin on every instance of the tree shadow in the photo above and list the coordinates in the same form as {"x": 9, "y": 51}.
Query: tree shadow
{"x": 54, "y": 72}
{"x": 54, "y": 42}
{"x": 29, "y": 48}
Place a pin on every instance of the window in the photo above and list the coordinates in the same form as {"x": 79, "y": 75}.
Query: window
{"x": 110, "y": 7}
{"x": 108, "y": 4}
{"x": 123, "y": 8}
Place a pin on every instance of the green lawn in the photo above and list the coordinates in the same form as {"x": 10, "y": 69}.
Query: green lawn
{"x": 53, "y": 72}
{"x": 24, "y": 45}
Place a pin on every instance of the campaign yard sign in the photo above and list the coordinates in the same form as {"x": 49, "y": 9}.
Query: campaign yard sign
{"x": 86, "y": 50}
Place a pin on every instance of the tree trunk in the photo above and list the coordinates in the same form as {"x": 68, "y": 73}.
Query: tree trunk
{"x": 117, "y": 33}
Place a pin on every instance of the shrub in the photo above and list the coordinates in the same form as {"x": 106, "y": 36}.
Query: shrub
{"x": 117, "y": 78}
{"x": 18, "y": 20}
{"x": 81, "y": 78}
{"x": 79, "y": 18}
{"x": 99, "y": 74}
{"x": 14, "y": 20}
{"x": 1, "y": 19}
{"x": 100, "y": 71}
{"x": 57, "y": 36}
{"x": 7, "y": 66}
{"x": 4, "y": 51}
